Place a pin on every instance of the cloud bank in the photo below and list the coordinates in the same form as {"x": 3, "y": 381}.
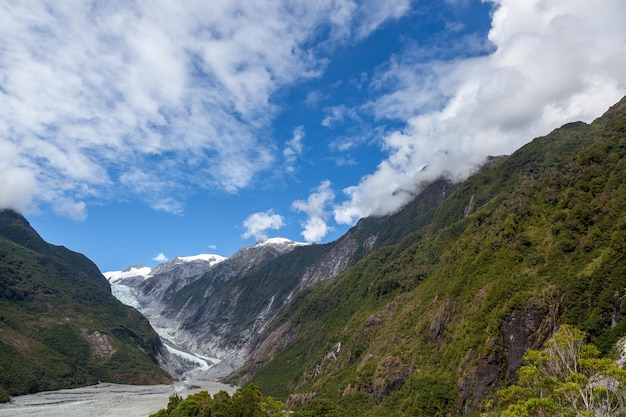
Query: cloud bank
{"x": 104, "y": 100}
{"x": 552, "y": 62}
{"x": 112, "y": 101}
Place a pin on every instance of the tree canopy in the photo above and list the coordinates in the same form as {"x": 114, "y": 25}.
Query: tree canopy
{"x": 245, "y": 402}
{"x": 566, "y": 378}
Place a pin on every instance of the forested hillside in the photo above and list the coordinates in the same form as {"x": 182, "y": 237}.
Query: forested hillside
{"x": 435, "y": 324}
{"x": 60, "y": 326}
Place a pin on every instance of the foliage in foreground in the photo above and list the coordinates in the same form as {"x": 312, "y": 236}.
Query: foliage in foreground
{"x": 566, "y": 378}
{"x": 246, "y": 402}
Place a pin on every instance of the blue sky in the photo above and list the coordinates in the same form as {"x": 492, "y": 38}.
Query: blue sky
{"x": 137, "y": 131}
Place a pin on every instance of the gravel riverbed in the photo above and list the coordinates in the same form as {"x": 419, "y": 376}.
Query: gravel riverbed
{"x": 105, "y": 400}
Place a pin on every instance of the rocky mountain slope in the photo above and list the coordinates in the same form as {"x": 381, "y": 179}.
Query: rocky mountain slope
{"x": 433, "y": 323}
{"x": 221, "y": 309}
{"x": 60, "y": 326}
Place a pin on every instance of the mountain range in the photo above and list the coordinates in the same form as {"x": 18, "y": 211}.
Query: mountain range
{"x": 424, "y": 312}
{"x": 221, "y": 308}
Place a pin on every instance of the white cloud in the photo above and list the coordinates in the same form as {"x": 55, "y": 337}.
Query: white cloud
{"x": 17, "y": 184}
{"x": 293, "y": 149}
{"x": 94, "y": 92}
{"x": 338, "y": 114}
{"x": 167, "y": 205}
{"x": 76, "y": 210}
{"x": 160, "y": 258}
{"x": 155, "y": 190}
{"x": 369, "y": 14}
{"x": 554, "y": 62}
{"x": 316, "y": 209}
{"x": 257, "y": 224}
{"x": 315, "y": 229}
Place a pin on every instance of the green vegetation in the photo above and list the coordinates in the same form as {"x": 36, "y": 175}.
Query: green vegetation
{"x": 246, "y": 402}
{"x": 60, "y": 327}
{"x": 566, "y": 378}
{"x": 435, "y": 324}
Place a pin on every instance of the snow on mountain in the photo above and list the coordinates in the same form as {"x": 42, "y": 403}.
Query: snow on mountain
{"x": 275, "y": 241}
{"x": 130, "y": 272}
{"x": 145, "y": 271}
{"x": 155, "y": 293}
{"x": 123, "y": 282}
{"x": 127, "y": 285}
{"x": 212, "y": 259}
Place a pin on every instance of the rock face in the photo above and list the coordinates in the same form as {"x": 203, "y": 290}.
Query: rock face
{"x": 525, "y": 329}
{"x": 215, "y": 308}
{"x": 101, "y": 346}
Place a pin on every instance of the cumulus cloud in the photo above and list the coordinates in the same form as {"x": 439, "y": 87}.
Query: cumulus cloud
{"x": 160, "y": 258}
{"x": 316, "y": 208}
{"x": 257, "y": 224}
{"x": 552, "y": 62}
{"x": 93, "y": 93}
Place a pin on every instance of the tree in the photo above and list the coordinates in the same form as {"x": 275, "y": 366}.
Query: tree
{"x": 245, "y": 402}
{"x": 320, "y": 407}
{"x": 566, "y": 378}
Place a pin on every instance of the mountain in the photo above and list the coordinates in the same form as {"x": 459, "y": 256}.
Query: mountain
{"x": 427, "y": 311}
{"x": 167, "y": 276}
{"x": 144, "y": 288}
{"x": 436, "y": 318}
{"x": 177, "y": 297}
{"x": 60, "y": 326}
{"x": 223, "y": 310}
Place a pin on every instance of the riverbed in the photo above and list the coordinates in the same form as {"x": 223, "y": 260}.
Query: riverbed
{"x": 105, "y": 400}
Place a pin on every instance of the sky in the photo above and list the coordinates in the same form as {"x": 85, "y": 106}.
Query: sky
{"x": 136, "y": 131}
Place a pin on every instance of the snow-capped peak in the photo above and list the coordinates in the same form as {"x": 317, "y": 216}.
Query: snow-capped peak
{"x": 279, "y": 241}
{"x": 211, "y": 258}
{"x": 146, "y": 272}
{"x": 132, "y": 271}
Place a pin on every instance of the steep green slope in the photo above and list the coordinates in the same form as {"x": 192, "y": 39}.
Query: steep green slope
{"x": 60, "y": 326}
{"x": 434, "y": 324}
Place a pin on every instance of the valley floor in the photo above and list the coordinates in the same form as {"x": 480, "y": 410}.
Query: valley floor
{"x": 105, "y": 400}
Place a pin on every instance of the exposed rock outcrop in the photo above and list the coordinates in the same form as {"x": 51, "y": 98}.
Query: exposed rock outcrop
{"x": 101, "y": 346}
{"x": 527, "y": 328}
